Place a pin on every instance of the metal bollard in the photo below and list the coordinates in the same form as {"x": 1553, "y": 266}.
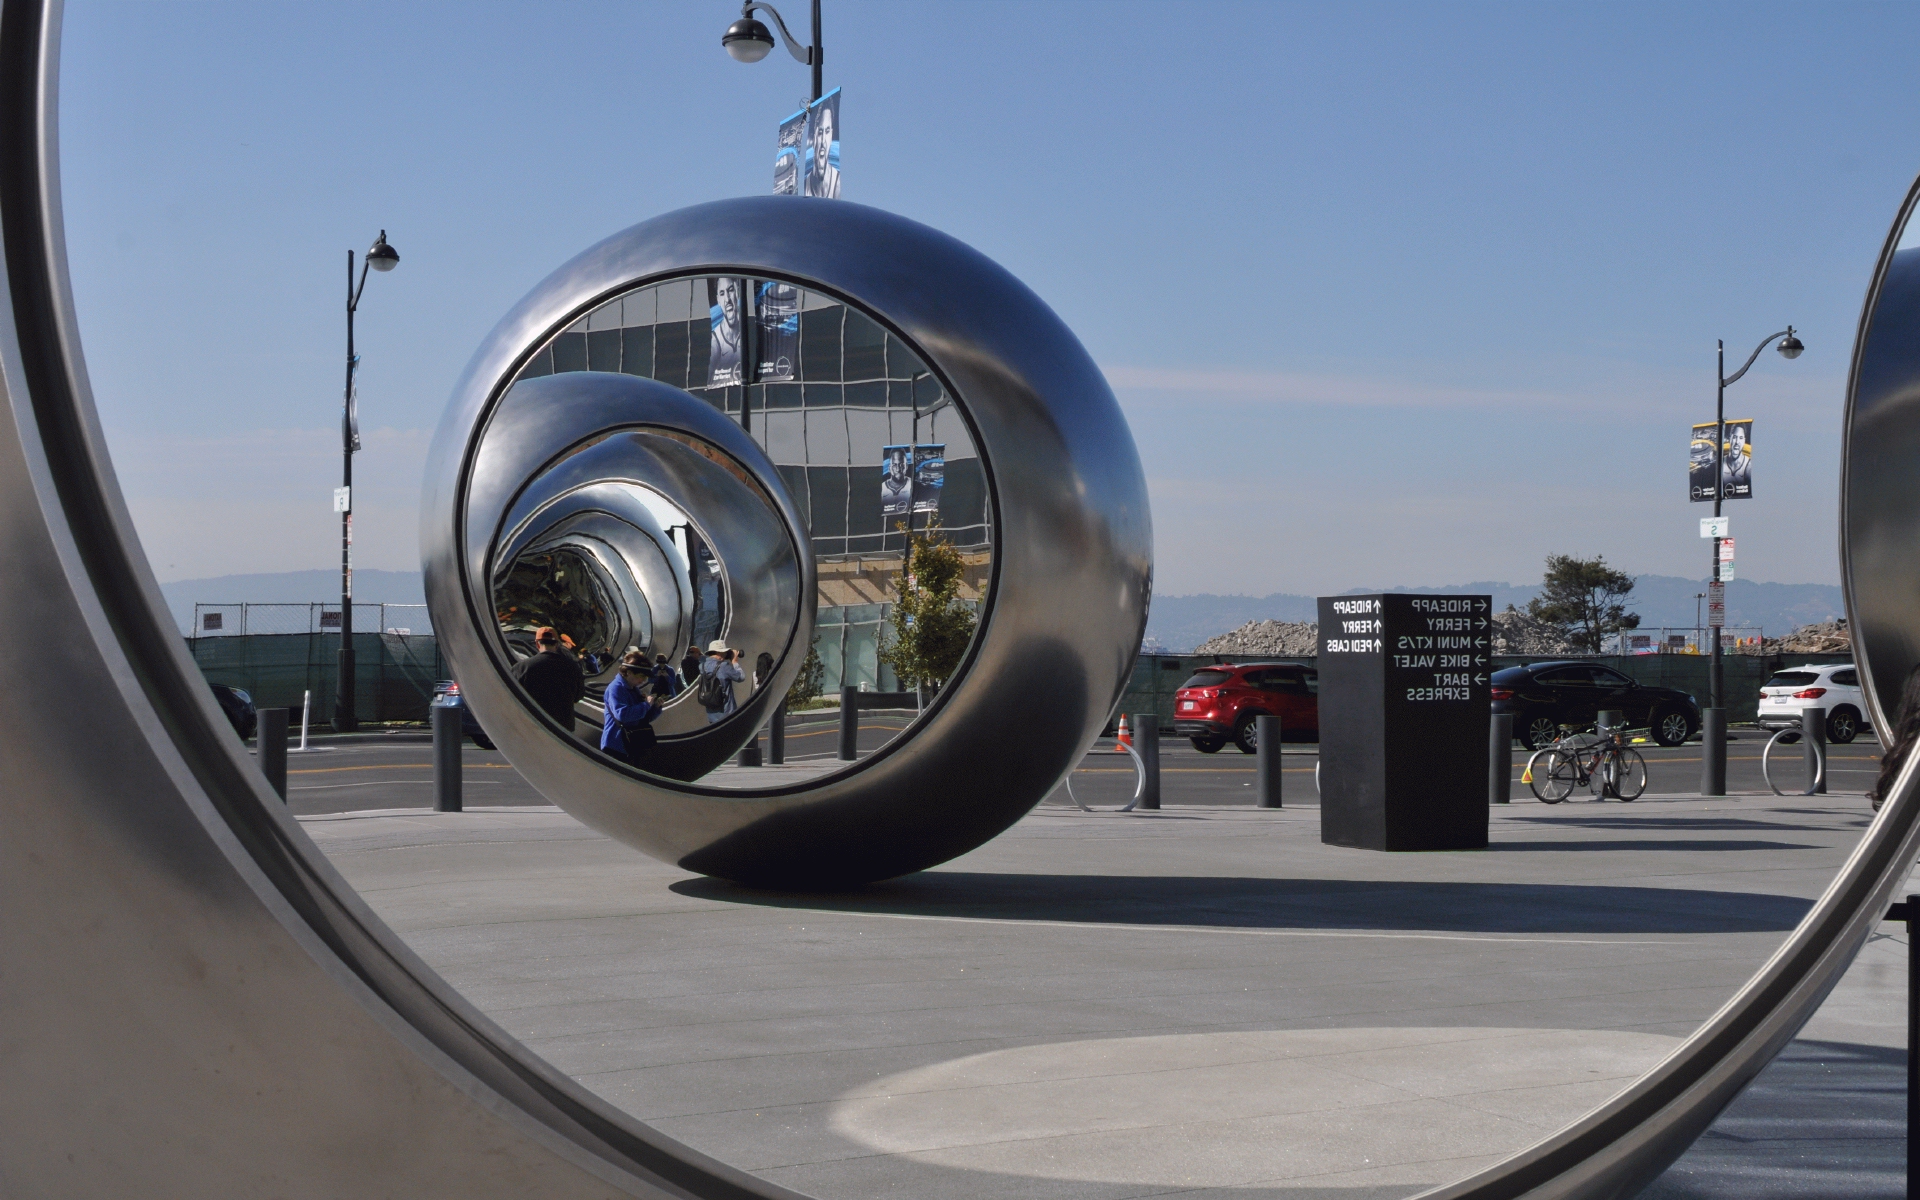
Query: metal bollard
{"x": 1266, "y": 733}
{"x": 849, "y": 724}
{"x": 1500, "y": 759}
{"x": 1913, "y": 1044}
{"x": 270, "y": 742}
{"x": 1813, "y": 737}
{"x": 1713, "y": 752}
{"x": 777, "y": 736}
{"x": 1146, "y": 743}
{"x": 446, "y": 759}
{"x": 750, "y": 753}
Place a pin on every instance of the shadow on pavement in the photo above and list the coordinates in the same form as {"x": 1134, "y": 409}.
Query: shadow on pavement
{"x": 1688, "y": 844}
{"x": 1253, "y": 903}
{"x": 1679, "y": 823}
{"x": 1825, "y": 1119}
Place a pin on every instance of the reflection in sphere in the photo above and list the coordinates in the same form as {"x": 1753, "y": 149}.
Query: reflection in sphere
{"x": 602, "y": 543}
{"x": 604, "y": 471}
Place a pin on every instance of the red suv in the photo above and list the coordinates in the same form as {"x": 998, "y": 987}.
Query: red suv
{"x": 1219, "y": 704}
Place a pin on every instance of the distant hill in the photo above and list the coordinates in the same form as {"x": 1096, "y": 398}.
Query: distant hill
{"x": 1182, "y": 622}
{"x": 1179, "y": 622}
{"x": 291, "y": 587}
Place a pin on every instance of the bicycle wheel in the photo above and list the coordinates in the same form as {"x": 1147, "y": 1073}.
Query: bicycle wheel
{"x": 1553, "y": 774}
{"x": 1629, "y": 775}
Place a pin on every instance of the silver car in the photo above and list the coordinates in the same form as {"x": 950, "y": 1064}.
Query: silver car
{"x": 1834, "y": 687}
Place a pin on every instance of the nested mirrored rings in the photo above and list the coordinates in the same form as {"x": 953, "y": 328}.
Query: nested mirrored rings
{"x": 629, "y": 522}
{"x": 748, "y": 457}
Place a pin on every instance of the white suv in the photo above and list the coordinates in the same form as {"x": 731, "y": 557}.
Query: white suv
{"x": 1834, "y": 687}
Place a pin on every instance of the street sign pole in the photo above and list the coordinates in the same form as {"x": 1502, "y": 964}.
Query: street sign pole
{"x": 1713, "y": 730}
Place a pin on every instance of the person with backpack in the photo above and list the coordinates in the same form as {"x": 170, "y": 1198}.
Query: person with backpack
{"x": 718, "y": 674}
{"x": 628, "y": 733}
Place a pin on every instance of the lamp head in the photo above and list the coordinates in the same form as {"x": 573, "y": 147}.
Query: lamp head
{"x": 1790, "y": 346}
{"x": 382, "y": 257}
{"x": 747, "y": 40}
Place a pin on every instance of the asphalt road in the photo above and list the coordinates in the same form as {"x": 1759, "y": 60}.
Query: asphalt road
{"x": 356, "y": 777}
{"x": 359, "y": 776}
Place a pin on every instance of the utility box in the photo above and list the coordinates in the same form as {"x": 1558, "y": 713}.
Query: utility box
{"x": 1405, "y": 702}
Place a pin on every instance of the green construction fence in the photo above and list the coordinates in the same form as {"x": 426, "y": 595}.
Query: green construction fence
{"x": 393, "y": 674}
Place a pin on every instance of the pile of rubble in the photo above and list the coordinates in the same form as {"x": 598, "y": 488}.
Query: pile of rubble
{"x": 1514, "y": 632}
{"x": 1822, "y": 637}
{"x": 1281, "y": 639}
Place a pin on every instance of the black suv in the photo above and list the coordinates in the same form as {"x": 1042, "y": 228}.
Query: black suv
{"x": 1547, "y": 695}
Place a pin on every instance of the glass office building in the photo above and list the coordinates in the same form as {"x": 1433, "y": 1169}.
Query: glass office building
{"x": 855, "y": 388}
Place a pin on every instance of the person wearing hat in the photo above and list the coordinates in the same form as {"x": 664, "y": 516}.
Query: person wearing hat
{"x": 627, "y": 733}
{"x": 552, "y": 677}
{"x": 718, "y": 674}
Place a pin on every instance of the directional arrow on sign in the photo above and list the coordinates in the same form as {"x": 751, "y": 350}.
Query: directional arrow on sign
{"x": 1479, "y": 678}
{"x": 1479, "y": 661}
{"x": 1481, "y": 623}
{"x": 1479, "y": 642}
{"x": 1480, "y": 605}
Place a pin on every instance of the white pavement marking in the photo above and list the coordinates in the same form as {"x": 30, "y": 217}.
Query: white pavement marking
{"x": 1259, "y": 1105}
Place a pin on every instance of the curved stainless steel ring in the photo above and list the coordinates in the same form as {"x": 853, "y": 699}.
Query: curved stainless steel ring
{"x": 577, "y": 435}
{"x": 1072, "y": 551}
{"x": 246, "y": 1017}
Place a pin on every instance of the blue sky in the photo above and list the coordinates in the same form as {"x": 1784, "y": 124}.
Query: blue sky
{"x": 1391, "y": 294}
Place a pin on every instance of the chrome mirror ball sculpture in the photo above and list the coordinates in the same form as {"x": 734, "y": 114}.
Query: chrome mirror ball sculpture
{"x": 197, "y": 1004}
{"x": 551, "y": 460}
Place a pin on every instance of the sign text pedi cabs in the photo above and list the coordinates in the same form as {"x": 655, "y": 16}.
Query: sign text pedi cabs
{"x": 1404, "y": 706}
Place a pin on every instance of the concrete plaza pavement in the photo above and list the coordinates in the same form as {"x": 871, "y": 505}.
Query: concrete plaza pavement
{"x": 1203, "y": 1000}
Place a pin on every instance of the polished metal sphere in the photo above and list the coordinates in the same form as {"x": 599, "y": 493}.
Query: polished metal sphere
{"x": 522, "y": 472}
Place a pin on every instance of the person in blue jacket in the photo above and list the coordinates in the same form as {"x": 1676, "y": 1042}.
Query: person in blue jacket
{"x": 628, "y": 732}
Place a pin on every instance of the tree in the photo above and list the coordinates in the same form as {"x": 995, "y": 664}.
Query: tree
{"x": 1584, "y": 597}
{"x": 931, "y": 625}
{"x": 806, "y": 685}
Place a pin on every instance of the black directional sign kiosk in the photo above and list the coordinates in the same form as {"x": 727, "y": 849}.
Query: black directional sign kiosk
{"x": 1404, "y": 706}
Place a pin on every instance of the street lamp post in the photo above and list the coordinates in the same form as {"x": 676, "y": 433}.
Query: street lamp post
{"x": 1713, "y": 740}
{"x": 748, "y": 40}
{"x": 380, "y": 257}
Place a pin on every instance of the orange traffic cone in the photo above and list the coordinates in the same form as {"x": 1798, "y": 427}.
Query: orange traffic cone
{"x": 1123, "y": 737}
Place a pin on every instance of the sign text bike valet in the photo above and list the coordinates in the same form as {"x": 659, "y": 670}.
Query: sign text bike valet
{"x": 1404, "y": 706}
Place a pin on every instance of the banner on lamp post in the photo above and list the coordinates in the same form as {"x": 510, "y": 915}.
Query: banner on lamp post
{"x": 929, "y": 476}
{"x": 1733, "y": 459}
{"x": 896, "y": 483}
{"x": 723, "y": 345}
{"x": 778, "y": 315}
{"x": 807, "y": 161}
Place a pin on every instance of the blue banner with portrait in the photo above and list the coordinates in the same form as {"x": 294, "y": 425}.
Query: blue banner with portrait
{"x": 896, "y": 484}
{"x": 820, "y": 151}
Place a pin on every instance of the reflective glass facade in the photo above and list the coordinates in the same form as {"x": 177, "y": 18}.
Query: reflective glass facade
{"x": 856, "y": 389}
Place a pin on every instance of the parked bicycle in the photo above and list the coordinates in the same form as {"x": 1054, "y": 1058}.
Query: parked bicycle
{"x": 1584, "y": 759}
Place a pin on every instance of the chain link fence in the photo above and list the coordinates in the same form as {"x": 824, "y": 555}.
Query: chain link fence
{"x": 251, "y": 620}
{"x": 1734, "y": 639}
